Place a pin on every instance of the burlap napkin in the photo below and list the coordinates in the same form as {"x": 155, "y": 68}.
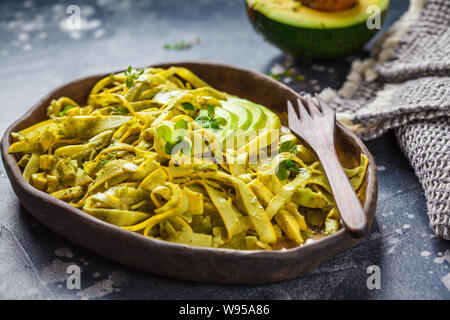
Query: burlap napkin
{"x": 405, "y": 85}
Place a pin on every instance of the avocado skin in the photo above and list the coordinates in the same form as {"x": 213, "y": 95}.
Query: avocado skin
{"x": 316, "y": 44}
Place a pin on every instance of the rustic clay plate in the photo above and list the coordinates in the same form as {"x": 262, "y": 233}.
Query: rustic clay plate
{"x": 177, "y": 260}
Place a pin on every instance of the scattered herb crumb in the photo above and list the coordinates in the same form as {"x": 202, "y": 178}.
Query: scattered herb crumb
{"x": 63, "y": 112}
{"x": 109, "y": 157}
{"x": 182, "y": 45}
{"x": 119, "y": 111}
{"x": 275, "y": 76}
{"x": 286, "y": 72}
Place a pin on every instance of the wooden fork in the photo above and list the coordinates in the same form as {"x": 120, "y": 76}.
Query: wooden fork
{"x": 316, "y": 125}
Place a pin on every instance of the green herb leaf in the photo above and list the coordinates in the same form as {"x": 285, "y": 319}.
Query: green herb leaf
{"x": 188, "y": 106}
{"x": 122, "y": 111}
{"x": 182, "y": 45}
{"x": 274, "y": 76}
{"x": 132, "y": 76}
{"x": 214, "y": 124}
{"x": 63, "y": 112}
{"x": 288, "y": 146}
{"x": 169, "y": 147}
{"x": 180, "y": 129}
{"x": 208, "y": 121}
{"x": 182, "y": 146}
{"x": 202, "y": 118}
{"x": 211, "y": 112}
{"x": 108, "y": 157}
{"x": 287, "y": 73}
{"x": 129, "y": 82}
{"x": 282, "y": 173}
{"x": 181, "y": 124}
{"x": 221, "y": 121}
{"x": 164, "y": 132}
{"x": 292, "y": 166}
{"x": 285, "y": 168}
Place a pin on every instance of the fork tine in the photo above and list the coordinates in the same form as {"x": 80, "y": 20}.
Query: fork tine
{"x": 291, "y": 109}
{"x": 326, "y": 109}
{"x": 302, "y": 108}
{"x": 313, "y": 108}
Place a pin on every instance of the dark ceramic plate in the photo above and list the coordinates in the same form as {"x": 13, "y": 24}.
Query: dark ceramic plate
{"x": 177, "y": 260}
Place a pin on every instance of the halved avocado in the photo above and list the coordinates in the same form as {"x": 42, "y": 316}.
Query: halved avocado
{"x": 304, "y": 32}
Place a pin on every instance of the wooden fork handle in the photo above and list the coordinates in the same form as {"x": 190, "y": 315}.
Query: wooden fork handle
{"x": 347, "y": 201}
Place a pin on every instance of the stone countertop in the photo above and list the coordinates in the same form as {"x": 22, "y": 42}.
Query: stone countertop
{"x": 38, "y": 53}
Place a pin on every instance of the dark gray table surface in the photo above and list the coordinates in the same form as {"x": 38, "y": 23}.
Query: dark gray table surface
{"x": 38, "y": 53}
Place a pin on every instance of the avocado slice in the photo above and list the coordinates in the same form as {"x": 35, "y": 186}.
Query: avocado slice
{"x": 259, "y": 117}
{"x": 230, "y": 126}
{"x": 244, "y": 115}
{"x": 308, "y": 33}
{"x": 273, "y": 121}
{"x": 258, "y": 120}
{"x": 243, "y": 118}
{"x": 232, "y": 119}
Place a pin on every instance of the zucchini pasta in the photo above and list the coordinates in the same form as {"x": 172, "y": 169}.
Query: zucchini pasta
{"x": 161, "y": 153}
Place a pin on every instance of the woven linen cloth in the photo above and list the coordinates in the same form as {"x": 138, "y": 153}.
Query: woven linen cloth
{"x": 405, "y": 85}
